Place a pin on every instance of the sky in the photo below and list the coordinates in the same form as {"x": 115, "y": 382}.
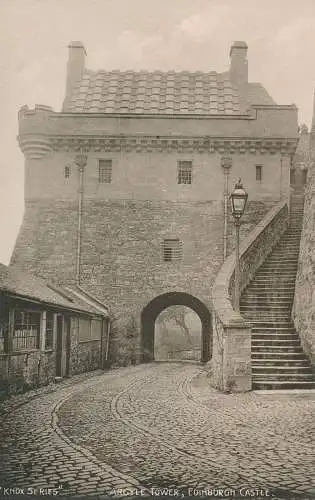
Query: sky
{"x": 140, "y": 34}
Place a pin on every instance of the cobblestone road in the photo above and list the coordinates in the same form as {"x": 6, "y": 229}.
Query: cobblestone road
{"x": 160, "y": 425}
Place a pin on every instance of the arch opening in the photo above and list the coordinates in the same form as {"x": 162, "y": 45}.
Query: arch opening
{"x": 160, "y": 303}
{"x": 177, "y": 335}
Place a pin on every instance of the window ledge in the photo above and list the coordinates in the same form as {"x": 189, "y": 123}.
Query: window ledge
{"x": 25, "y": 351}
{"x": 89, "y": 341}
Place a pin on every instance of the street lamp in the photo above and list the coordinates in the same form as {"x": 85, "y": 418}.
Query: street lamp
{"x": 238, "y": 202}
{"x": 226, "y": 164}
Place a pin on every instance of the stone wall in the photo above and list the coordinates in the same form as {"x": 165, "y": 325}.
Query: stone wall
{"x": 84, "y": 356}
{"x": 121, "y": 259}
{"x": 153, "y": 175}
{"x": 230, "y": 367}
{"x": 26, "y": 370}
{"x": 47, "y": 241}
{"x": 304, "y": 299}
{"x": 125, "y": 221}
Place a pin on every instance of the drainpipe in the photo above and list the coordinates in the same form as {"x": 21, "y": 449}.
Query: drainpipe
{"x": 80, "y": 161}
{"x": 226, "y": 164}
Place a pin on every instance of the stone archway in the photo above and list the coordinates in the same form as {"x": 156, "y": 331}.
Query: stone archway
{"x": 161, "y": 302}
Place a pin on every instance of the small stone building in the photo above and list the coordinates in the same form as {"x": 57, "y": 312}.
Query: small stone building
{"x": 125, "y": 192}
{"x": 47, "y": 333}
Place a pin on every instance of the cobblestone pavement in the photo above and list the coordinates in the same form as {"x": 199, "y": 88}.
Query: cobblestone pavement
{"x": 161, "y": 425}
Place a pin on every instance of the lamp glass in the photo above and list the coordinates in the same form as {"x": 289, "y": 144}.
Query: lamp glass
{"x": 238, "y": 200}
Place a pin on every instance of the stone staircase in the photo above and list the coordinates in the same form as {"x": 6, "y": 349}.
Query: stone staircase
{"x": 278, "y": 361}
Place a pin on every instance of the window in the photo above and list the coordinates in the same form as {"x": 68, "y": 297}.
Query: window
{"x": 89, "y": 329}
{"x": 105, "y": 171}
{"x": 172, "y": 250}
{"x": 96, "y": 329}
{"x": 26, "y": 330}
{"x": 49, "y": 339}
{"x": 67, "y": 172}
{"x": 84, "y": 330}
{"x": 259, "y": 169}
{"x": 3, "y": 336}
{"x": 184, "y": 171}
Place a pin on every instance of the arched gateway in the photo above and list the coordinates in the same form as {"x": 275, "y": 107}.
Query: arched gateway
{"x": 157, "y": 305}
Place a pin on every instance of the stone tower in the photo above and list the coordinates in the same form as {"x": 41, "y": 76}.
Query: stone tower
{"x": 124, "y": 187}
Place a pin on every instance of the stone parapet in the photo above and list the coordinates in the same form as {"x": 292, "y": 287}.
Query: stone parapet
{"x": 256, "y": 131}
{"x": 231, "y": 361}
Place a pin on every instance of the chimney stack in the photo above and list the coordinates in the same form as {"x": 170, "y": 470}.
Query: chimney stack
{"x": 239, "y": 70}
{"x": 75, "y": 69}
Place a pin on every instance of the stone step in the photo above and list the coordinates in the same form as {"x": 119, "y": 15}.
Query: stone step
{"x": 281, "y": 265}
{"x": 284, "y": 261}
{"x": 283, "y": 271}
{"x": 263, "y": 279}
{"x": 275, "y": 349}
{"x": 283, "y": 376}
{"x": 272, "y": 329}
{"x": 285, "y": 330}
{"x": 275, "y": 336}
{"x": 266, "y": 302}
{"x": 267, "y": 323}
{"x": 275, "y": 272}
{"x": 272, "y": 288}
{"x": 263, "y": 305}
{"x": 279, "y": 355}
{"x": 266, "y": 295}
{"x": 265, "y": 287}
{"x": 253, "y": 317}
{"x": 276, "y": 343}
{"x": 292, "y": 237}
{"x": 257, "y": 363}
{"x": 275, "y": 384}
{"x": 287, "y": 250}
{"x": 282, "y": 370}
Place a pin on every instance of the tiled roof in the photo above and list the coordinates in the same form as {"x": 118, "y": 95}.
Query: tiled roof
{"x": 155, "y": 92}
{"x": 257, "y": 94}
{"x": 16, "y": 282}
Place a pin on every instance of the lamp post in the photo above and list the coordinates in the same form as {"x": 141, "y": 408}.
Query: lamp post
{"x": 226, "y": 164}
{"x": 238, "y": 202}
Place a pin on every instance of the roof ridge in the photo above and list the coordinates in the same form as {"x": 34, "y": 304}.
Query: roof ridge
{"x": 157, "y": 71}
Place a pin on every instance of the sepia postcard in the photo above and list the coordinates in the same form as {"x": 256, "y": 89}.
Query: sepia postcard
{"x": 157, "y": 249}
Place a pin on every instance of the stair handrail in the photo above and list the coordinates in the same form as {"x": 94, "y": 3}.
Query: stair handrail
{"x": 221, "y": 292}
{"x": 230, "y": 365}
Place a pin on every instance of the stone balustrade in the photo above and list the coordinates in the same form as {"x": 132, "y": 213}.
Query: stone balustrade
{"x": 230, "y": 365}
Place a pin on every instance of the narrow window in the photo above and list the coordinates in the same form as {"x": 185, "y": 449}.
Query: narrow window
{"x": 304, "y": 176}
{"x": 184, "y": 172}
{"x": 259, "y": 172}
{"x": 26, "y": 330}
{"x": 105, "y": 171}
{"x": 84, "y": 330}
{"x": 67, "y": 172}
{"x": 172, "y": 250}
{"x": 49, "y": 330}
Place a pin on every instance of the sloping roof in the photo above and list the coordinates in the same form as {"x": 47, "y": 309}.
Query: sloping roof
{"x": 257, "y": 94}
{"x": 155, "y": 92}
{"x": 16, "y": 282}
